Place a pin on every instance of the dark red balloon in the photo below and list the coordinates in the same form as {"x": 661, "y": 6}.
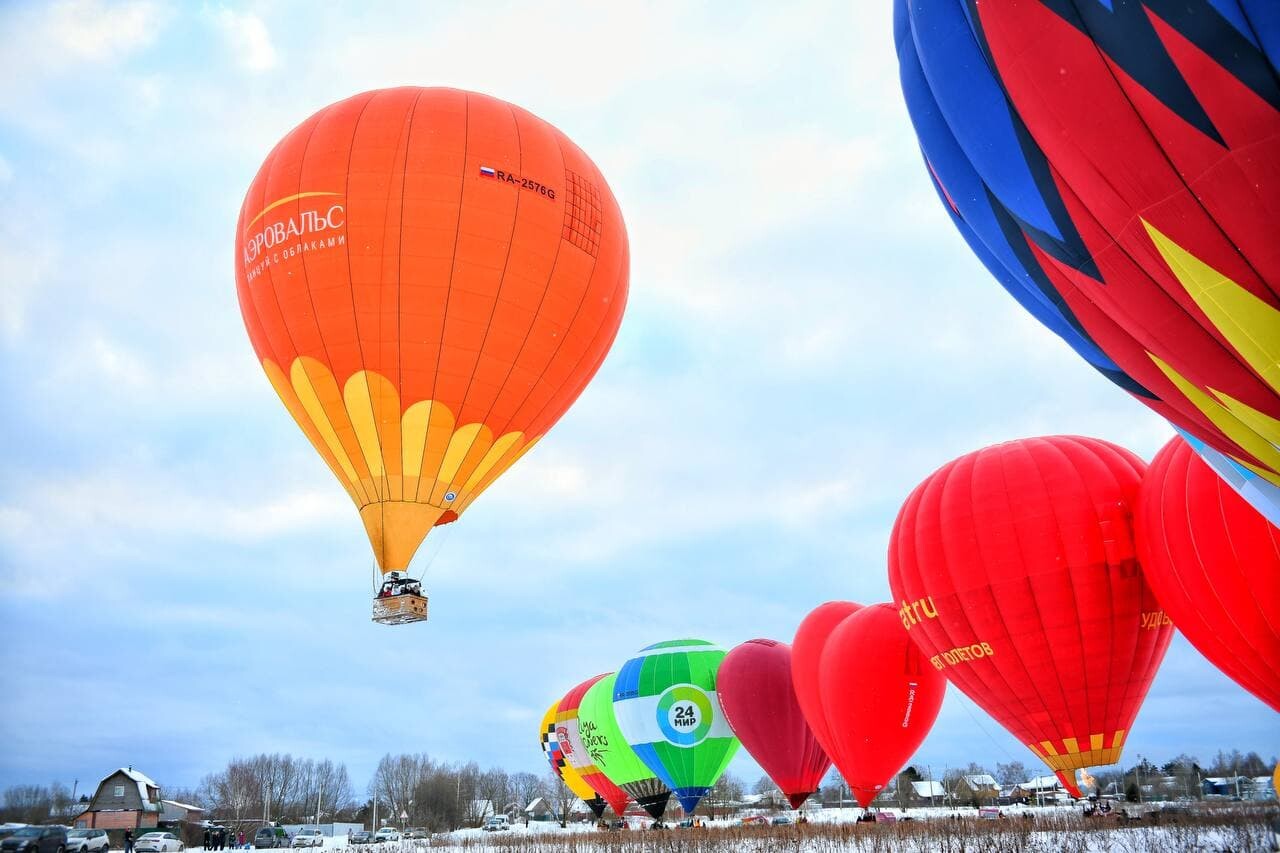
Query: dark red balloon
{"x": 880, "y": 697}
{"x": 1015, "y": 570}
{"x": 806, "y": 655}
{"x": 759, "y": 701}
{"x": 1214, "y": 564}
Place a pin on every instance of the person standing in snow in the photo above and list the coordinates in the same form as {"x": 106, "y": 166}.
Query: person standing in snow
{"x": 128, "y": 841}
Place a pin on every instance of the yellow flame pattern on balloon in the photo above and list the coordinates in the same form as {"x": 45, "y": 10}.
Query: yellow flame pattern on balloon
{"x": 404, "y": 470}
{"x": 1252, "y": 327}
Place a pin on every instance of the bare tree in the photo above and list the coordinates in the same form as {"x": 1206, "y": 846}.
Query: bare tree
{"x": 562, "y": 798}
{"x": 396, "y": 780}
{"x": 1012, "y": 773}
{"x": 27, "y": 803}
{"x": 526, "y": 787}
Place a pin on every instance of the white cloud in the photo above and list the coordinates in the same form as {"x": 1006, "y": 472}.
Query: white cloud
{"x": 94, "y": 30}
{"x": 248, "y": 37}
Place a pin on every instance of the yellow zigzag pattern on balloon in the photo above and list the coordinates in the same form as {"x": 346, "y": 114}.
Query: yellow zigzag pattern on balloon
{"x": 382, "y": 456}
{"x": 1252, "y": 327}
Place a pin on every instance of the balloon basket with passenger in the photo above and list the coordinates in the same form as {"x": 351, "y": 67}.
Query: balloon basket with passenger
{"x": 399, "y": 600}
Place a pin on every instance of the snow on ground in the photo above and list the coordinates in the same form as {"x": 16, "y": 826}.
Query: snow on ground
{"x": 834, "y": 831}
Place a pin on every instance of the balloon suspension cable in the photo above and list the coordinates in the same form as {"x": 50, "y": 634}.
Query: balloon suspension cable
{"x": 965, "y": 703}
{"x": 443, "y": 538}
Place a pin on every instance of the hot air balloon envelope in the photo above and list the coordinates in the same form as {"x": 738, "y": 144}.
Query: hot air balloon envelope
{"x": 429, "y": 278}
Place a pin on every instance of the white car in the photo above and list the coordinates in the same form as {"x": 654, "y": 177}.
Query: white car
{"x": 158, "y": 842}
{"x": 387, "y": 833}
{"x": 308, "y": 838}
{"x": 87, "y": 841}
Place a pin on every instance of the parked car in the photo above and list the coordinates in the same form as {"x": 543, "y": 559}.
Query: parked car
{"x": 308, "y": 838}
{"x": 417, "y": 832}
{"x": 496, "y": 824}
{"x": 362, "y": 836}
{"x": 387, "y": 833}
{"x": 9, "y": 829}
{"x": 270, "y": 836}
{"x": 88, "y": 841}
{"x": 782, "y": 820}
{"x": 158, "y": 842}
{"x": 36, "y": 839}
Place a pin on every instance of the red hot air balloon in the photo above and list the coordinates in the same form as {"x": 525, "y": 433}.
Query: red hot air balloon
{"x": 806, "y": 655}
{"x": 575, "y": 752}
{"x": 759, "y": 701}
{"x": 1015, "y": 571}
{"x": 880, "y": 697}
{"x": 1214, "y": 563}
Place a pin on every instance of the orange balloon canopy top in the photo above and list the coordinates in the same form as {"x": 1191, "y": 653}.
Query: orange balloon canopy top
{"x": 430, "y": 278}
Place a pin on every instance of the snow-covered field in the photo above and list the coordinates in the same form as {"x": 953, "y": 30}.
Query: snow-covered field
{"x": 1030, "y": 830}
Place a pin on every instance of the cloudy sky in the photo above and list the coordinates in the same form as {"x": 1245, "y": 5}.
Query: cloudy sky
{"x": 181, "y": 579}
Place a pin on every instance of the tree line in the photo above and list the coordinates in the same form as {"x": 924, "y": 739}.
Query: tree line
{"x": 442, "y": 796}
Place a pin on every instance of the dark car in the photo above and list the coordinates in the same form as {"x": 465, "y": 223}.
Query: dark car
{"x": 362, "y": 836}
{"x": 270, "y": 836}
{"x": 36, "y": 839}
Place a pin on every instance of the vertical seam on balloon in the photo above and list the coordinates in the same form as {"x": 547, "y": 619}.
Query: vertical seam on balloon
{"x": 1273, "y": 675}
{"x": 497, "y": 298}
{"x": 609, "y": 330}
{"x": 1049, "y": 727}
{"x": 1155, "y": 141}
{"x": 372, "y": 498}
{"x": 249, "y": 304}
{"x": 359, "y": 485}
{"x": 1077, "y": 611}
{"x": 1038, "y": 731}
{"x": 1091, "y": 708}
{"x": 1253, "y": 33}
{"x": 1160, "y": 636}
{"x": 1109, "y": 700}
{"x": 1154, "y": 649}
{"x": 401, "y": 404}
{"x": 444, "y": 315}
{"x": 364, "y": 367}
{"x": 595, "y": 265}
{"x": 546, "y": 289}
{"x": 947, "y": 476}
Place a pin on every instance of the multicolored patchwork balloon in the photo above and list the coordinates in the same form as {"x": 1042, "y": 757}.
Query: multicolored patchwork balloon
{"x": 1116, "y": 166}
{"x": 568, "y": 734}
{"x": 666, "y": 704}
{"x": 570, "y": 777}
{"x": 608, "y": 750}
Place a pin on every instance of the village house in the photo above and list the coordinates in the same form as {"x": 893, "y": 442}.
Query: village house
{"x": 172, "y": 811}
{"x": 1041, "y": 790}
{"x": 978, "y": 789}
{"x": 126, "y": 799}
{"x": 928, "y": 793}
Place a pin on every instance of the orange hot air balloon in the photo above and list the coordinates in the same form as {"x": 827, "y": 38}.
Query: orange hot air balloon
{"x": 430, "y": 277}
